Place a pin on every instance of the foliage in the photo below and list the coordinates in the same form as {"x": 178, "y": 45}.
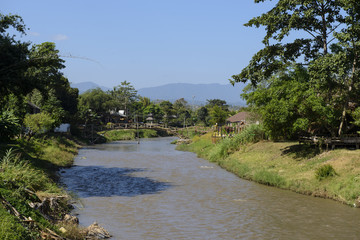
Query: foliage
{"x": 129, "y": 134}
{"x": 217, "y": 102}
{"x": 322, "y": 101}
{"x": 153, "y": 110}
{"x": 325, "y": 171}
{"x": 218, "y": 115}
{"x": 289, "y": 106}
{"x": 9, "y": 125}
{"x": 202, "y": 114}
{"x": 167, "y": 111}
{"x": 94, "y": 102}
{"x": 25, "y": 68}
{"x": 10, "y": 228}
{"x": 21, "y": 172}
{"x": 38, "y": 123}
{"x": 123, "y": 96}
{"x": 317, "y": 19}
{"x": 250, "y": 134}
{"x": 13, "y": 57}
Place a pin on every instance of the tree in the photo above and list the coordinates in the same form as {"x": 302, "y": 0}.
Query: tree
{"x": 94, "y": 104}
{"x": 13, "y": 57}
{"x": 57, "y": 97}
{"x": 38, "y": 123}
{"x": 167, "y": 110}
{"x": 289, "y": 106}
{"x": 202, "y": 114}
{"x": 217, "y": 102}
{"x": 153, "y": 110}
{"x": 182, "y": 111}
{"x": 218, "y": 115}
{"x": 180, "y": 106}
{"x": 123, "y": 96}
{"x": 316, "y": 18}
{"x": 329, "y": 53}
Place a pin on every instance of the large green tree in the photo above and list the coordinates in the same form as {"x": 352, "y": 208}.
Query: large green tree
{"x": 329, "y": 54}
{"x": 124, "y": 95}
{"x": 316, "y": 20}
{"x": 13, "y": 57}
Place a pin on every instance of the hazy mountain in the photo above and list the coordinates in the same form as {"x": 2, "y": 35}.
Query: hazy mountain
{"x": 84, "y": 86}
{"x": 195, "y": 93}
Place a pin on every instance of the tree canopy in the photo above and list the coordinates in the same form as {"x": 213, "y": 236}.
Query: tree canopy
{"x": 323, "y": 98}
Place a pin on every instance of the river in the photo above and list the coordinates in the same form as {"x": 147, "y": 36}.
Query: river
{"x": 151, "y": 191}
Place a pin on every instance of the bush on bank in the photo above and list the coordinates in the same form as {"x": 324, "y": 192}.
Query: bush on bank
{"x": 288, "y": 165}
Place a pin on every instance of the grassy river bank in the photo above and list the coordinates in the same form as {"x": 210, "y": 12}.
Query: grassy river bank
{"x": 300, "y": 168}
{"x": 33, "y": 204}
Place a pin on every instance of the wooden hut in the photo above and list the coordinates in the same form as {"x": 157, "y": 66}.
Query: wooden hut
{"x": 238, "y": 121}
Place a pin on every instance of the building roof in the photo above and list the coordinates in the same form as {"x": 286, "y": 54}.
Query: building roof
{"x": 239, "y": 117}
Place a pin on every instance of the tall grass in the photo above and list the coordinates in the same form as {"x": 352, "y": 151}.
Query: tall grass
{"x": 22, "y": 173}
{"x": 224, "y": 148}
{"x": 269, "y": 178}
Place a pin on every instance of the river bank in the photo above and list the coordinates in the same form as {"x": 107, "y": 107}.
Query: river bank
{"x": 34, "y": 203}
{"x": 288, "y": 165}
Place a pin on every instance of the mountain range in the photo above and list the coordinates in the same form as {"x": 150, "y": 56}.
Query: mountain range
{"x": 192, "y": 93}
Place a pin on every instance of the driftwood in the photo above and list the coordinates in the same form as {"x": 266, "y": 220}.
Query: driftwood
{"x": 48, "y": 206}
{"x": 28, "y": 222}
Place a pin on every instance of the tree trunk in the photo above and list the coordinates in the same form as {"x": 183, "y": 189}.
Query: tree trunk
{"x": 346, "y": 104}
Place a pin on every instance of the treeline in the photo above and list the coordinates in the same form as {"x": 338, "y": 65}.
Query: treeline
{"x": 308, "y": 83}
{"x": 101, "y": 107}
{"x": 31, "y": 78}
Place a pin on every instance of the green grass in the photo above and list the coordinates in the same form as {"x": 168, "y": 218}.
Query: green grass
{"x": 129, "y": 134}
{"x": 286, "y": 165}
{"x": 32, "y": 165}
{"x": 10, "y": 228}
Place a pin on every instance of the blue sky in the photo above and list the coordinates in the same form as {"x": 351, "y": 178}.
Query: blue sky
{"x": 146, "y": 42}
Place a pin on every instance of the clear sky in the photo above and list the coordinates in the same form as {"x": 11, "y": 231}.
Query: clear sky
{"x": 146, "y": 42}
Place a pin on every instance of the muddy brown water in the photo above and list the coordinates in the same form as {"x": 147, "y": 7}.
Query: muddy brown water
{"x": 151, "y": 191}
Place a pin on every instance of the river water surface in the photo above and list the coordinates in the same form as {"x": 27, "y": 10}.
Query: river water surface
{"x": 151, "y": 191}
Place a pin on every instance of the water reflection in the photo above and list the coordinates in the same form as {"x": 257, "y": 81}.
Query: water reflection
{"x": 98, "y": 181}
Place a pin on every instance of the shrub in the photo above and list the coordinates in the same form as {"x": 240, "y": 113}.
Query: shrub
{"x": 16, "y": 170}
{"x": 9, "y": 125}
{"x": 325, "y": 171}
{"x": 250, "y": 134}
{"x": 37, "y": 123}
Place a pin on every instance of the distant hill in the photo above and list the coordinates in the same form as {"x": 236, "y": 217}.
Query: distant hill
{"x": 84, "y": 86}
{"x": 195, "y": 93}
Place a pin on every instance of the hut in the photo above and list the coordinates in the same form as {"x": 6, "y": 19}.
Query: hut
{"x": 238, "y": 121}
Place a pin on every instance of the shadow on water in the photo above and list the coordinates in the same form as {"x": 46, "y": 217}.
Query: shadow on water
{"x": 98, "y": 181}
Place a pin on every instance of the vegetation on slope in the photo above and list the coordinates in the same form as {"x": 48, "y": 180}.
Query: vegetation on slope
{"x": 27, "y": 177}
{"x": 288, "y": 165}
